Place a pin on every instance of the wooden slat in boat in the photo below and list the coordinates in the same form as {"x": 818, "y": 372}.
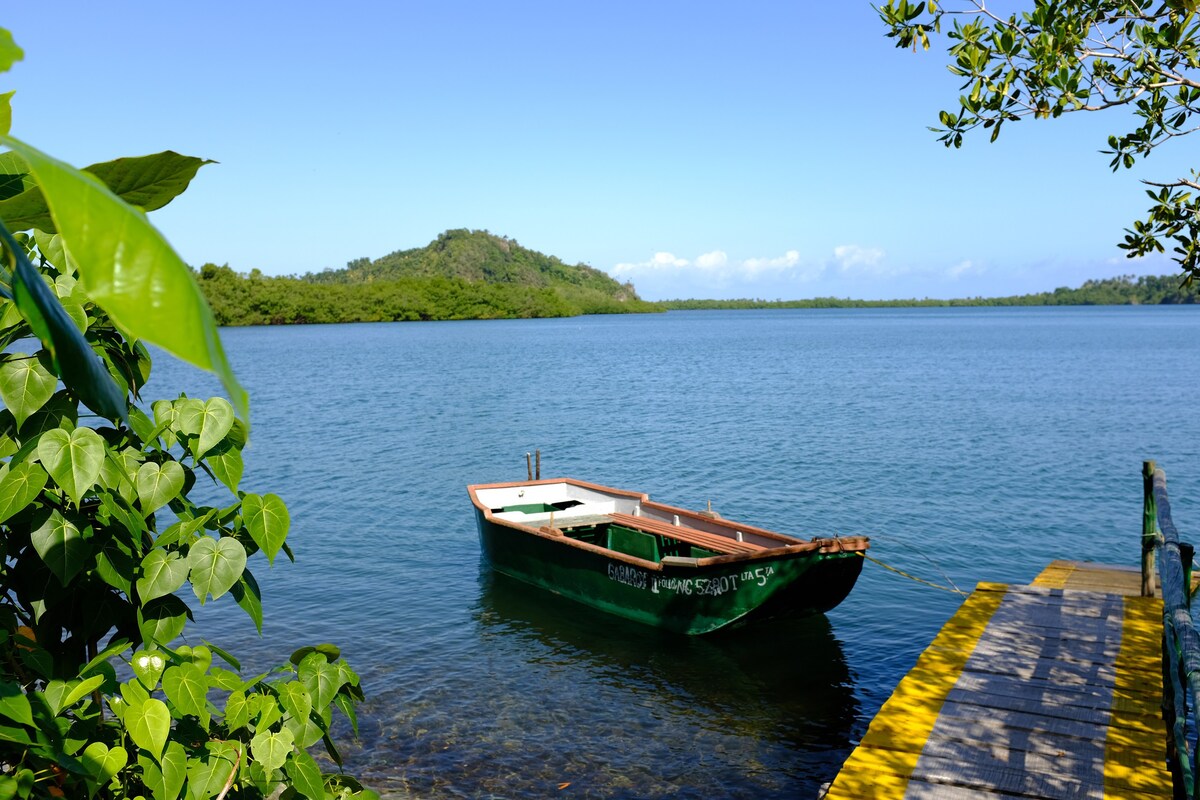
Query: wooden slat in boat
{"x": 709, "y": 541}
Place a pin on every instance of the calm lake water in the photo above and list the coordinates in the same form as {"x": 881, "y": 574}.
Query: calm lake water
{"x": 971, "y": 444}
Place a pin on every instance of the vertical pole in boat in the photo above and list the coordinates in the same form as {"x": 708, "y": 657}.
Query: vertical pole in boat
{"x": 1149, "y": 528}
{"x": 539, "y": 463}
{"x": 529, "y": 466}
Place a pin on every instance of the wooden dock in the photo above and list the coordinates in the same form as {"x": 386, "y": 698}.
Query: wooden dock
{"x": 1051, "y": 690}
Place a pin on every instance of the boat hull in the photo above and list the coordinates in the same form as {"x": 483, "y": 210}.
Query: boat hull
{"x": 690, "y": 599}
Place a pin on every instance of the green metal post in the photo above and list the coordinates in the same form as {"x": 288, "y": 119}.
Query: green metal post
{"x": 1149, "y": 528}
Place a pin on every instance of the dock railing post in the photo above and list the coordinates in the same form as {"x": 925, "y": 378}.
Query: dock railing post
{"x": 1149, "y": 529}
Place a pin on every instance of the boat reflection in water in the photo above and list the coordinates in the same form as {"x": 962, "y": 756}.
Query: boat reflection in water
{"x": 767, "y": 710}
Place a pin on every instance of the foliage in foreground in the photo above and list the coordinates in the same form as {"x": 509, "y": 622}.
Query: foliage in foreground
{"x": 1065, "y": 56}
{"x": 1123, "y": 290}
{"x": 100, "y": 537}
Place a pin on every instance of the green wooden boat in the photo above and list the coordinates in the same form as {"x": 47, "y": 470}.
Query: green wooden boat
{"x": 685, "y": 571}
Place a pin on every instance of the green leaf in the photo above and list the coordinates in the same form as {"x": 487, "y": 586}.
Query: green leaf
{"x": 102, "y": 763}
{"x": 61, "y": 546}
{"x": 267, "y": 521}
{"x": 14, "y": 176}
{"x": 146, "y": 182}
{"x": 269, "y": 711}
{"x": 77, "y": 690}
{"x": 10, "y": 53}
{"x": 237, "y": 711}
{"x": 210, "y": 421}
{"x": 20, "y": 486}
{"x": 230, "y": 660}
{"x": 186, "y": 687}
{"x": 77, "y": 364}
{"x": 158, "y": 484}
{"x": 215, "y": 566}
{"x": 72, "y": 459}
{"x": 148, "y": 666}
{"x": 207, "y": 776}
{"x": 25, "y": 385}
{"x": 14, "y": 704}
{"x": 295, "y": 699}
{"x": 305, "y": 775}
{"x": 249, "y": 598}
{"x": 227, "y": 467}
{"x": 162, "y": 620}
{"x": 272, "y": 749}
{"x": 165, "y": 781}
{"x": 129, "y": 270}
{"x": 6, "y": 112}
{"x": 163, "y": 572}
{"x": 321, "y": 678}
{"x": 149, "y": 725}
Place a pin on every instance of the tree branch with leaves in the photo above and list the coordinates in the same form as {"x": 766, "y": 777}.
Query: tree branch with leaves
{"x": 1067, "y": 56}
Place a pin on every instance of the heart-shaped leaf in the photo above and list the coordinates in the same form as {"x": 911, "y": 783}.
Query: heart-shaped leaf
{"x": 149, "y": 725}
{"x": 305, "y": 774}
{"x": 267, "y": 520}
{"x": 101, "y": 763}
{"x": 215, "y": 565}
{"x": 272, "y": 749}
{"x": 61, "y": 546}
{"x": 25, "y": 385}
{"x": 148, "y": 666}
{"x": 321, "y": 678}
{"x": 215, "y": 418}
{"x": 165, "y": 780}
{"x": 186, "y": 687}
{"x": 163, "y": 571}
{"x": 72, "y": 459}
{"x": 295, "y": 699}
{"x": 158, "y": 484}
{"x": 20, "y": 486}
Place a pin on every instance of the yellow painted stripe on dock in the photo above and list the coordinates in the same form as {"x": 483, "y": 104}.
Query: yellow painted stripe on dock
{"x": 885, "y": 759}
{"x": 1134, "y": 754}
{"x": 1056, "y": 575}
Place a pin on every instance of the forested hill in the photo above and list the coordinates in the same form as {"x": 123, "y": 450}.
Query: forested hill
{"x": 460, "y": 275}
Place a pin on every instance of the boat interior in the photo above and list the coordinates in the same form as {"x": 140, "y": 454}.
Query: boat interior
{"x": 621, "y": 521}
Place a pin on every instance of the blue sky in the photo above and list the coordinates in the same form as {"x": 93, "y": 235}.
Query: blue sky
{"x": 767, "y": 149}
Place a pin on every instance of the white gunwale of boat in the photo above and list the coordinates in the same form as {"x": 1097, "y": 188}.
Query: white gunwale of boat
{"x": 597, "y": 503}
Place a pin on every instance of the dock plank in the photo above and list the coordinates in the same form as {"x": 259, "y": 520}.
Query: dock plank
{"x": 1039, "y": 691}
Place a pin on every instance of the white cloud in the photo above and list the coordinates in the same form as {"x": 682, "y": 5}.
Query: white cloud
{"x": 852, "y": 257}
{"x": 715, "y": 273}
{"x": 714, "y": 260}
{"x": 717, "y": 264}
{"x": 966, "y": 267}
{"x": 658, "y": 262}
{"x": 790, "y": 259}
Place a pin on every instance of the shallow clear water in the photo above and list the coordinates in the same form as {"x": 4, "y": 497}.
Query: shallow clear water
{"x": 981, "y": 443}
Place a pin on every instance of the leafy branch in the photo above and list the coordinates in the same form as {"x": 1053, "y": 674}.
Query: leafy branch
{"x": 1066, "y": 56}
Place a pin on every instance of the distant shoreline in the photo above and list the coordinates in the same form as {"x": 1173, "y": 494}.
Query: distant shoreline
{"x": 1124, "y": 290}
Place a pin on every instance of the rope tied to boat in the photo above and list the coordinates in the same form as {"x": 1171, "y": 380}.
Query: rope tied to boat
{"x": 902, "y": 573}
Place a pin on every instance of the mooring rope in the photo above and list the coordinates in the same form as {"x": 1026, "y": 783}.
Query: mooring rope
{"x": 954, "y": 590}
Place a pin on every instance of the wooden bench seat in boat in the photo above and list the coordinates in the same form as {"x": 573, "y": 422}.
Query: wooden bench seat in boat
{"x": 709, "y": 541}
